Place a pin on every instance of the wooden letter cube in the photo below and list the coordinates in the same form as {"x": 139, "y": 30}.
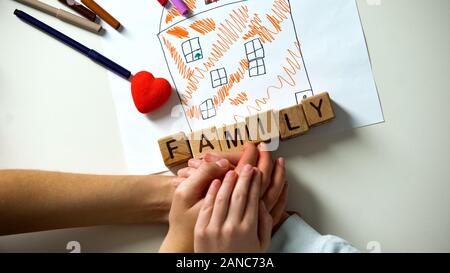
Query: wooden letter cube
{"x": 262, "y": 127}
{"x": 318, "y": 109}
{"x": 292, "y": 122}
{"x": 233, "y": 137}
{"x": 204, "y": 141}
{"x": 175, "y": 149}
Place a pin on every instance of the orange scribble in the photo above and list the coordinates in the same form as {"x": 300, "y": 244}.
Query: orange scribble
{"x": 204, "y": 26}
{"x": 235, "y": 78}
{"x": 179, "y": 32}
{"x": 193, "y": 112}
{"x": 281, "y": 12}
{"x": 293, "y": 66}
{"x": 228, "y": 34}
{"x": 186, "y": 72}
{"x": 173, "y": 12}
{"x": 183, "y": 69}
{"x": 224, "y": 92}
{"x": 239, "y": 99}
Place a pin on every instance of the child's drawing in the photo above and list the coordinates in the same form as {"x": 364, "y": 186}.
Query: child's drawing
{"x": 233, "y": 59}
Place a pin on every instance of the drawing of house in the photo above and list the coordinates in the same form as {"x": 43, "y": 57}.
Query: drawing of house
{"x": 230, "y": 59}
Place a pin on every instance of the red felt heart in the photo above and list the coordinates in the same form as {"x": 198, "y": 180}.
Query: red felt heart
{"x": 149, "y": 93}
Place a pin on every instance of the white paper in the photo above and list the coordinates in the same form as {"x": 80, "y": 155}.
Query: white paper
{"x": 248, "y": 50}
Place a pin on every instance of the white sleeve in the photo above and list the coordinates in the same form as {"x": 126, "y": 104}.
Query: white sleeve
{"x": 296, "y": 236}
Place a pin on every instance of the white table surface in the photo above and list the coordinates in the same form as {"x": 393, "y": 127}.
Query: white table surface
{"x": 387, "y": 183}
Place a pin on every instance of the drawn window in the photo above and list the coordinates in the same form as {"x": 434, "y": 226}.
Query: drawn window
{"x": 219, "y": 77}
{"x": 192, "y": 50}
{"x": 299, "y": 96}
{"x": 207, "y": 109}
{"x": 257, "y": 68}
{"x": 254, "y": 50}
{"x": 255, "y": 55}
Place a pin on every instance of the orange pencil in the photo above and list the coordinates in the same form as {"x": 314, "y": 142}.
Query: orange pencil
{"x": 102, "y": 13}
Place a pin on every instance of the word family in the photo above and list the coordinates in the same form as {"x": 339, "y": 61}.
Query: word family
{"x": 267, "y": 126}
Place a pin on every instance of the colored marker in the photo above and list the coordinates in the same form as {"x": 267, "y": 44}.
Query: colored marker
{"x": 102, "y": 13}
{"x": 80, "y": 9}
{"x": 163, "y": 2}
{"x": 63, "y": 15}
{"x": 180, "y": 6}
{"x": 92, "y": 54}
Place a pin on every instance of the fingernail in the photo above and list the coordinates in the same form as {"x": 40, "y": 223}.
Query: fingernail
{"x": 215, "y": 184}
{"x": 261, "y": 145}
{"x": 210, "y": 158}
{"x": 282, "y": 162}
{"x": 195, "y": 163}
{"x": 247, "y": 168}
{"x": 230, "y": 174}
{"x": 223, "y": 163}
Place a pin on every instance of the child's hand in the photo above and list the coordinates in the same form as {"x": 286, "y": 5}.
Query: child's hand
{"x": 187, "y": 201}
{"x": 232, "y": 218}
{"x": 273, "y": 187}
